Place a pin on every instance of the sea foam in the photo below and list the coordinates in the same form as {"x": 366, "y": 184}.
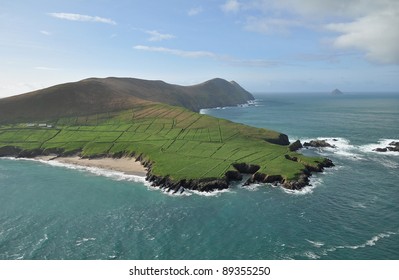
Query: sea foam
{"x": 114, "y": 175}
{"x": 314, "y": 182}
{"x": 382, "y": 143}
{"x": 371, "y": 242}
{"x": 341, "y": 147}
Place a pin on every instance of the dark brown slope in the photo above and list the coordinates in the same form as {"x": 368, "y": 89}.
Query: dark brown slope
{"x": 95, "y": 95}
{"x": 213, "y": 93}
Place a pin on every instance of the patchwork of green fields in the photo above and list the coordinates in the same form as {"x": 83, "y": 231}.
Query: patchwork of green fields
{"x": 179, "y": 143}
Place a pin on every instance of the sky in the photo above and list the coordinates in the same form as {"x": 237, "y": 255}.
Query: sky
{"x": 264, "y": 45}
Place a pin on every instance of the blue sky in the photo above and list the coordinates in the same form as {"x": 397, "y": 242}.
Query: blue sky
{"x": 265, "y": 45}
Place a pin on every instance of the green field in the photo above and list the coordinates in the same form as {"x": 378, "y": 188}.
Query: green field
{"x": 179, "y": 143}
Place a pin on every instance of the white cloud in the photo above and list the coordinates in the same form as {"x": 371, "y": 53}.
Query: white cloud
{"x": 157, "y": 36}
{"x": 44, "y": 32}
{"x": 195, "y": 11}
{"x": 318, "y": 9}
{"x": 177, "y": 52}
{"x": 44, "y": 68}
{"x": 376, "y": 34}
{"x": 206, "y": 54}
{"x": 231, "y": 6}
{"x": 368, "y": 26}
{"x": 270, "y": 25}
{"x": 79, "y": 17}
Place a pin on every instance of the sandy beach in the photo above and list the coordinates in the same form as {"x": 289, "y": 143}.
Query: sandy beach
{"x": 126, "y": 165}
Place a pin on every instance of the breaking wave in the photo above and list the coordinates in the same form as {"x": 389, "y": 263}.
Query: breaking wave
{"x": 371, "y": 242}
{"x": 382, "y": 143}
{"x": 316, "y": 244}
{"x": 250, "y": 103}
{"x": 314, "y": 182}
{"x": 343, "y": 148}
{"x": 114, "y": 175}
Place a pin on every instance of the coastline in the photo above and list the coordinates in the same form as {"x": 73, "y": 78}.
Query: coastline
{"x": 141, "y": 168}
{"x": 127, "y": 165}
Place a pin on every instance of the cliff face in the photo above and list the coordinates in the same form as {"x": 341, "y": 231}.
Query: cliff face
{"x": 93, "y": 96}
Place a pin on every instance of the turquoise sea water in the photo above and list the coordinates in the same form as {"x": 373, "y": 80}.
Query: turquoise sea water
{"x": 350, "y": 212}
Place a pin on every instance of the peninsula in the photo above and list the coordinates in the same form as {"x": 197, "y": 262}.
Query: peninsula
{"x": 158, "y": 125}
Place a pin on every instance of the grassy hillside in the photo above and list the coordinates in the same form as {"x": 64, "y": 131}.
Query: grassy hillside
{"x": 180, "y": 144}
{"x": 93, "y": 96}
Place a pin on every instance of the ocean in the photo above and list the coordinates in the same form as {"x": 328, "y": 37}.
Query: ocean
{"x": 350, "y": 211}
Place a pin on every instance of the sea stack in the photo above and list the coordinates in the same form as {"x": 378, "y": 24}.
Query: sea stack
{"x": 336, "y": 92}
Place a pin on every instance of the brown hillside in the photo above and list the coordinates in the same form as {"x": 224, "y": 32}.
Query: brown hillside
{"x": 95, "y": 95}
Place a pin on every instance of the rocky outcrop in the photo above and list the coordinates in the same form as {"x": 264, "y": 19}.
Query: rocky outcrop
{"x": 318, "y": 144}
{"x": 233, "y": 175}
{"x": 295, "y": 146}
{"x": 392, "y": 147}
{"x": 281, "y": 140}
{"x": 9, "y": 151}
{"x": 302, "y": 181}
{"x": 12, "y": 151}
{"x": 246, "y": 168}
{"x": 203, "y": 185}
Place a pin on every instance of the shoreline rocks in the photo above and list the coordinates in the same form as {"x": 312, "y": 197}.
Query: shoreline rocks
{"x": 203, "y": 184}
{"x": 392, "y": 147}
{"x": 318, "y": 144}
{"x": 295, "y": 146}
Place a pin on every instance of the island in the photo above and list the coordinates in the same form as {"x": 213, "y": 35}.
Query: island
{"x": 158, "y": 125}
{"x": 336, "y": 92}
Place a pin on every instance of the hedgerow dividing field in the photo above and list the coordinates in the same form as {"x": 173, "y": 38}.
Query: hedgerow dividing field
{"x": 180, "y": 144}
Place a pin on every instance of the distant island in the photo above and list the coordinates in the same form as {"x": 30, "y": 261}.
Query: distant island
{"x": 336, "y": 92}
{"x": 102, "y": 121}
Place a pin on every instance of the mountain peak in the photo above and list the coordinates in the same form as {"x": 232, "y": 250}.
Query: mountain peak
{"x": 336, "y": 92}
{"x": 99, "y": 95}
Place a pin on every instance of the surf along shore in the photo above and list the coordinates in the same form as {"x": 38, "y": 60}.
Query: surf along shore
{"x": 127, "y": 165}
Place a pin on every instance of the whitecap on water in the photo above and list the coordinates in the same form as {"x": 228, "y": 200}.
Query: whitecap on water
{"x": 316, "y": 244}
{"x": 371, "y": 242}
{"x": 358, "y": 205}
{"x": 341, "y": 147}
{"x": 311, "y": 255}
{"x": 382, "y": 143}
{"x": 251, "y": 187}
{"x": 187, "y": 192}
{"x": 84, "y": 240}
{"x": 212, "y": 193}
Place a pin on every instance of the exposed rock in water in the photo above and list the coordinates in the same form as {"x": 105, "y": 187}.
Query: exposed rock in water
{"x": 318, "y": 144}
{"x": 297, "y": 184}
{"x": 392, "y": 147}
{"x": 295, "y": 146}
{"x": 202, "y": 185}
